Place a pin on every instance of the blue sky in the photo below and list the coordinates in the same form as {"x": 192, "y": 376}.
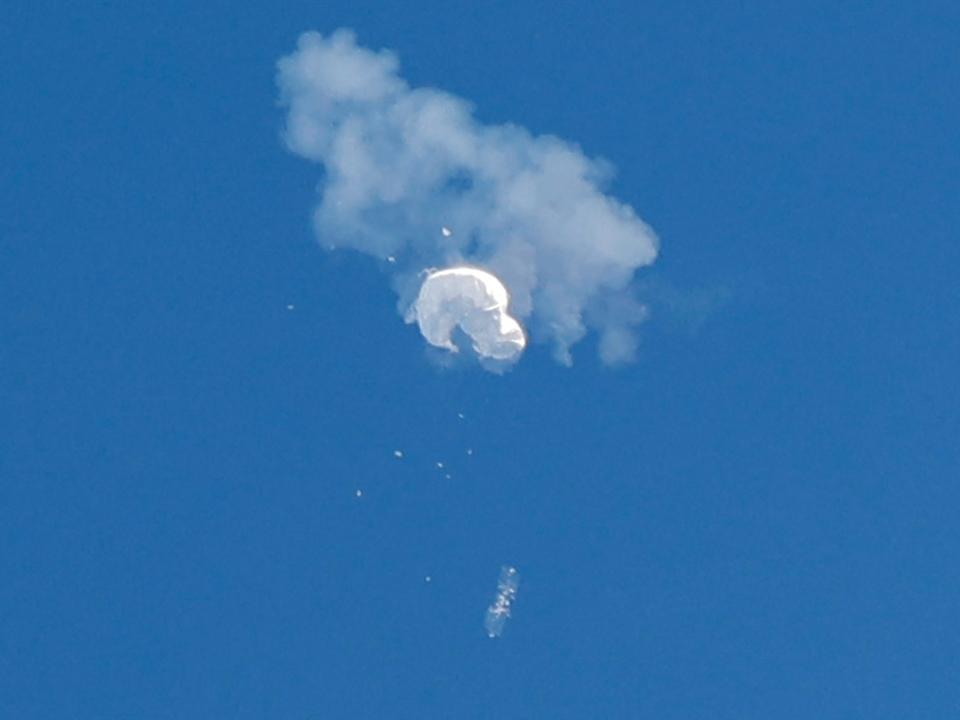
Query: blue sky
{"x": 755, "y": 519}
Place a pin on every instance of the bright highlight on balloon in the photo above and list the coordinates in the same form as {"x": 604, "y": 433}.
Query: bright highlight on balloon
{"x": 476, "y": 302}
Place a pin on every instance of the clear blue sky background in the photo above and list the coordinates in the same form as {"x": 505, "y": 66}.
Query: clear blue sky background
{"x": 756, "y": 520}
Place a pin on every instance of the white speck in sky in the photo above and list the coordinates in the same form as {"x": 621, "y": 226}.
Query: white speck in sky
{"x": 290, "y": 307}
{"x": 427, "y": 578}
{"x": 447, "y": 232}
{"x": 440, "y": 465}
{"x": 398, "y": 453}
{"x": 359, "y": 493}
{"x": 391, "y": 259}
{"x": 469, "y": 451}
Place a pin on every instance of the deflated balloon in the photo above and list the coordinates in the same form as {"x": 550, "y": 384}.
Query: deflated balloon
{"x": 476, "y": 302}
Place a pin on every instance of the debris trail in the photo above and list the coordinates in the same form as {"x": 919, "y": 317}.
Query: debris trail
{"x": 499, "y": 610}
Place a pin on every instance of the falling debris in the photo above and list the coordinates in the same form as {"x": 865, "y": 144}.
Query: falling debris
{"x": 398, "y": 453}
{"x": 359, "y": 493}
{"x": 499, "y": 611}
{"x": 391, "y": 259}
{"x": 289, "y": 307}
{"x": 427, "y": 579}
{"x": 448, "y": 476}
{"x": 447, "y": 232}
{"x": 476, "y": 302}
{"x": 469, "y": 451}
{"x": 440, "y": 466}
{"x": 460, "y": 415}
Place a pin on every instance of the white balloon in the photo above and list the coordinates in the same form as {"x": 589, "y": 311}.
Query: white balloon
{"x": 476, "y": 302}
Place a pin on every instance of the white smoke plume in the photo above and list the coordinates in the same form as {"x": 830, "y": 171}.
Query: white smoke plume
{"x": 411, "y": 177}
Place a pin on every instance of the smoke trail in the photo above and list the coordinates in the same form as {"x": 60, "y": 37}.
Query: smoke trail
{"x": 403, "y": 163}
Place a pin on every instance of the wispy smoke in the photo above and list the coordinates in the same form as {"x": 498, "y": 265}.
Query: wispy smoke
{"x": 401, "y": 163}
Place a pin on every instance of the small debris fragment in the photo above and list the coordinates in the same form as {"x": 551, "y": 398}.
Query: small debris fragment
{"x": 398, "y": 453}
{"x": 427, "y": 578}
{"x": 447, "y": 232}
{"x": 460, "y": 415}
{"x": 391, "y": 259}
{"x": 469, "y": 451}
{"x": 290, "y": 307}
{"x": 440, "y": 465}
{"x": 359, "y": 493}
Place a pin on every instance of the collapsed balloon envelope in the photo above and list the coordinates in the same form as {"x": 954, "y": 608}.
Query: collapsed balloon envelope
{"x": 476, "y": 302}
{"x": 399, "y": 161}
